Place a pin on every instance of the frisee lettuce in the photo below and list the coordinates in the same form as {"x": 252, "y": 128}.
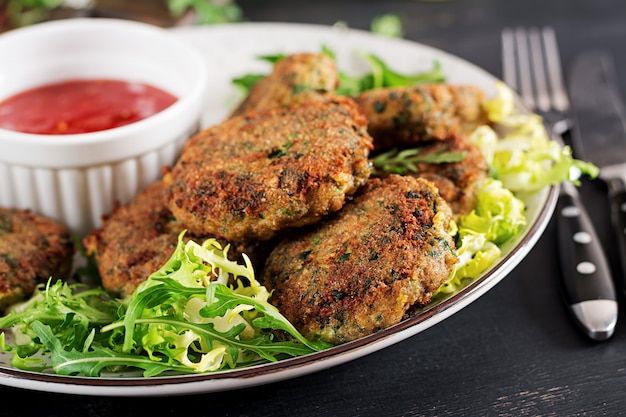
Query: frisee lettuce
{"x": 200, "y": 312}
{"x": 498, "y": 216}
{"x": 525, "y": 158}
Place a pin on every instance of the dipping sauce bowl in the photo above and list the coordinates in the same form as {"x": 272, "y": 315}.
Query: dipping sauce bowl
{"x": 77, "y": 178}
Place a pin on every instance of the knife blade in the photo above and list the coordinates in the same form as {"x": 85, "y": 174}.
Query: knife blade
{"x": 599, "y": 134}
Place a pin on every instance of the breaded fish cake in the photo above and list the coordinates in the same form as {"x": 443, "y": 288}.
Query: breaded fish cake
{"x": 362, "y": 269}
{"x": 253, "y": 176}
{"x": 297, "y": 78}
{"x": 458, "y": 182}
{"x": 33, "y": 248}
{"x": 405, "y": 116}
{"x": 136, "y": 240}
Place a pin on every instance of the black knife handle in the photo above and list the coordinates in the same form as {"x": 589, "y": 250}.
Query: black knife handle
{"x": 585, "y": 271}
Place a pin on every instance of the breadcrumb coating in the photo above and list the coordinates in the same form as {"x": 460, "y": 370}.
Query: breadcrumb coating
{"x": 33, "y": 249}
{"x": 366, "y": 266}
{"x": 253, "y": 176}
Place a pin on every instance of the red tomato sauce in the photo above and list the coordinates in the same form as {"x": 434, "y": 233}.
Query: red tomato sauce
{"x": 81, "y": 106}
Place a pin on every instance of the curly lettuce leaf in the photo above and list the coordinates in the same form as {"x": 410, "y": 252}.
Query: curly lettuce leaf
{"x": 209, "y": 313}
{"x": 476, "y": 255}
{"x": 524, "y": 158}
{"x": 200, "y": 312}
{"x": 498, "y": 217}
{"x": 498, "y": 214}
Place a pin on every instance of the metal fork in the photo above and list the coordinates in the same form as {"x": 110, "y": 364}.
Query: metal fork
{"x": 531, "y": 65}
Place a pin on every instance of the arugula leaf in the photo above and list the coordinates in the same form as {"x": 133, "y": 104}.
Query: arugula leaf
{"x": 200, "y": 312}
{"x": 384, "y": 76}
{"x": 270, "y": 318}
{"x": 381, "y": 75}
{"x": 92, "y": 362}
{"x": 73, "y": 311}
{"x": 272, "y": 58}
{"x": 247, "y": 81}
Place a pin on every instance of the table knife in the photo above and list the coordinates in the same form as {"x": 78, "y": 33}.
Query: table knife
{"x": 599, "y": 136}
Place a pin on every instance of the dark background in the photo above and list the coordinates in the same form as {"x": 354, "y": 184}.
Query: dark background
{"x": 515, "y": 351}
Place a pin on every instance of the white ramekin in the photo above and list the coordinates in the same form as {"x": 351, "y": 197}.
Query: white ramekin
{"x": 77, "y": 178}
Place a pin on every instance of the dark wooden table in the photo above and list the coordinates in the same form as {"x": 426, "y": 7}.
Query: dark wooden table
{"x": 515, "y": 351}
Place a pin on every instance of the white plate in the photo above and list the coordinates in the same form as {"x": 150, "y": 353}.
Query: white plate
{"x": 235, "y": 48}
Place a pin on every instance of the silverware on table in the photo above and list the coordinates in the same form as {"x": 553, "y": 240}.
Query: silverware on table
{"x": 600, "y": 132}
{"x": 588, "y": 288}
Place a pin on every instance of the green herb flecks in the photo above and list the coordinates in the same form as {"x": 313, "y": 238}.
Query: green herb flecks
{"x": 281, "y": 151}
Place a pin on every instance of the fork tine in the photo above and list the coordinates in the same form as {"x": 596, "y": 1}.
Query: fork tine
{"x": 531, "y": 65}
{"x": 523, "y": 65}
{"x": 559, "y": 97}
{"x": 542, "y": 96}
{"x": 508, "y": 58}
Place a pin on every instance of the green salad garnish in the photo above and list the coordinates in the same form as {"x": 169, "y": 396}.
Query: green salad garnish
{"x": 522, "y": 159}
{"x": 381, "y": 75}
{"x": 200, "y": 312}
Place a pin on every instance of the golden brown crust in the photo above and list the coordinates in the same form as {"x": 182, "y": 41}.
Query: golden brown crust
{"x": 458, "y": 182}
{"x": 137, "y": 239}
{"x": 134, "y": 241}
{"x": 362, "y": 269}
{"x": 406, "y": 116}
{"x": 33, "y": 249}
{"x": 297, "y": 78}
{"x": 253, "y": 176}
